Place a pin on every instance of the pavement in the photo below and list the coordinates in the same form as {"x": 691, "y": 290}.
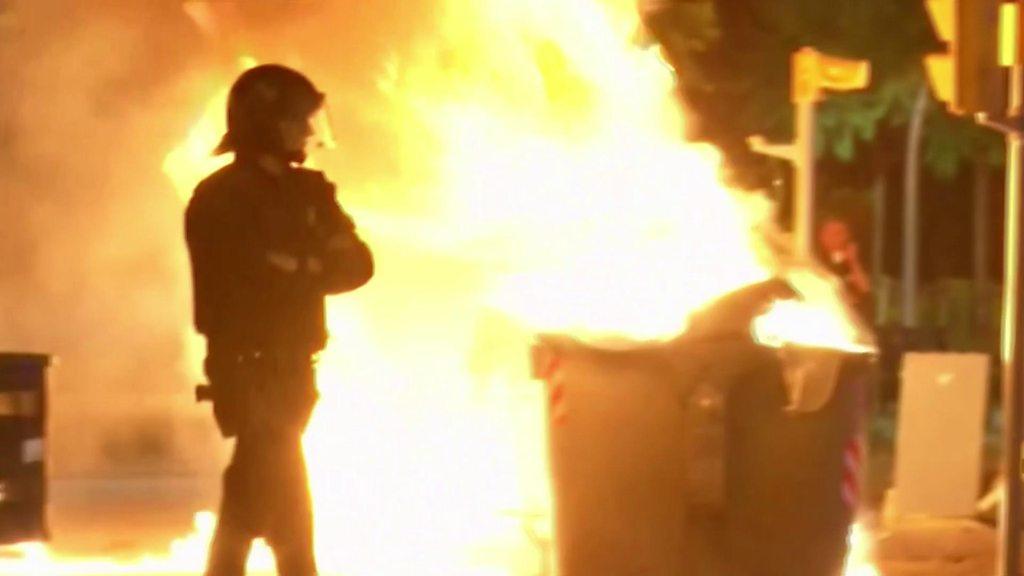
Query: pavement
{"x": 935, "y": 547}
{"x": 122, "y": 527}
{"x": 146, "y": 516}
{"x": 125, "y": 521}
{"x": 147, "y": 527}
{"x": 920, "y": 546}
{"x": 141, "y": 516}
{"x": 128, "y": 520}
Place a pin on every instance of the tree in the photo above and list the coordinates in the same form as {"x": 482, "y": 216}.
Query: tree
{"x": 732, "y": 62}
{"x": 952, "y": 144}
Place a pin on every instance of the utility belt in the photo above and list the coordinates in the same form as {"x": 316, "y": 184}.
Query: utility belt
{"x": 257, "y": 391}
{"x": 230, "y": 364}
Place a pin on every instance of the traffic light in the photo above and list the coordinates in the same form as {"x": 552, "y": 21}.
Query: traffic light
{"x": 1011, "y": 22}
{"x": 968, "y": 76}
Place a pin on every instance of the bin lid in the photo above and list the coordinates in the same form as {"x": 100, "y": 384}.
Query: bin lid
{"x": 22, "y": 358}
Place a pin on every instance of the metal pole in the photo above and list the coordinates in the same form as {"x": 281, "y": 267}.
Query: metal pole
{"x": 878, "y": 201}
{"x": 803, "y": 202}
{"x": 1012, "y": 353}
{"x": 911, "y": 210}
{"x": 981, "y": 321}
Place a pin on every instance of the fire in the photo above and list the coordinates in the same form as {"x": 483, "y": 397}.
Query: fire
{"x": 190, "y": 162}
{"x": 819, "y": 319}
{"x": 185, "y": 556}
{"x": 859, "y": 560}
{"x": 564, "y": 201}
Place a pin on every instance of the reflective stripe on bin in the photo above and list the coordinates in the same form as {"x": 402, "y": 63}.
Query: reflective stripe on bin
{"x": 559, "y": 411}
{"x": 547, "y": 366}
{"x": 853, "y": 459}
{"x": 556, "y": 391}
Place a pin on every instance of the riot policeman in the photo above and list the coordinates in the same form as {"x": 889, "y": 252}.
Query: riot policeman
{"x": 267, "y": 241}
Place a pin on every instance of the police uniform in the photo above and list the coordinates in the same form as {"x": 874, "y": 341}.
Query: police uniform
{"x": 264, "y": 323}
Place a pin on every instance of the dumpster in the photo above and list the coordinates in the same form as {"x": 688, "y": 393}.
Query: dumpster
{"x": 709, "y": 455}
{"x": 22, "y": 447}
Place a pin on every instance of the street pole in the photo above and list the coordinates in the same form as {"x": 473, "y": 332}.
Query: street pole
{"x": 811, "y": 74}
{"x": 803, "y": 166}
{"x": 984, "y": 36}
{"x": 879, "y": 199}
{"x": 911, "y": 210}
{"x": 1013, "y": 333}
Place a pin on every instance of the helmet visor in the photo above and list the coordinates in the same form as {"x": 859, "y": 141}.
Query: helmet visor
{"x": 313, "y": 110}
{"x": 323, "y": 129}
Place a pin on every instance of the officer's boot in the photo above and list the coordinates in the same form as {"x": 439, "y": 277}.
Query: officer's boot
{"x": 295, "y": 560}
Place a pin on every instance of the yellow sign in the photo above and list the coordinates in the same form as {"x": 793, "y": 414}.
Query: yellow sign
{"x": 841, "y": 74}
{"x": 814, "y": 72}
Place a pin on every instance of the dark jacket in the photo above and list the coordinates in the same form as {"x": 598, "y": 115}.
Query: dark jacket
{"x": 239, "y": 215}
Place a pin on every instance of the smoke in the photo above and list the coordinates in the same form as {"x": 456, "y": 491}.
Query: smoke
{"x": 95, "y": 270}
{"x": 94, "y": 95}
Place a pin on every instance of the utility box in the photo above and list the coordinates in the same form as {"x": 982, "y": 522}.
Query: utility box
{"x": 940, "y": 434}
{"x": 23, "y": 408}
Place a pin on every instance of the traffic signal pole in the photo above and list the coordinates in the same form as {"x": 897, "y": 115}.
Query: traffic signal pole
{"x": 801, "y": 155}
{"x": 804, "y": 200}
{"x": 1012, "y": 349}
{"x": 969, "y": 77}
{"x": 1012, "y": 353}
{"x": 812, "y": 73}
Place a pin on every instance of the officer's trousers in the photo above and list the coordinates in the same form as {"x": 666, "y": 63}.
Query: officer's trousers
{"x": 264, "y": 401}
{"x": 265, "y": 494}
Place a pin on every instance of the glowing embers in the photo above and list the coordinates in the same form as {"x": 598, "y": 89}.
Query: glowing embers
{"x": 186, "y": 555}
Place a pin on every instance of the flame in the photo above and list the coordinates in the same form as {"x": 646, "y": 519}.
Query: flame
{"x": 819, "y": 319}
{"x": 858, "y": 559}
{"x": 563, "y": 199}
{"x": 189, "y": 163}
{"x": 185, "y": 555}
{"x": 574, "y": 175}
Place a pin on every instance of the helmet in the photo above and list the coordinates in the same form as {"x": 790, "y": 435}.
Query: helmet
{"x": 259, "y": 99}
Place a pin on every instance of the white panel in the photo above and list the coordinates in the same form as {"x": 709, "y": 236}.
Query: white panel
{"x": 940, "y": 433}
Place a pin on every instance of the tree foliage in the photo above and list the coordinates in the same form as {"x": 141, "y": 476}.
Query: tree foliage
{"x": 732, "y": 59}
{"x": 951, "y": 142}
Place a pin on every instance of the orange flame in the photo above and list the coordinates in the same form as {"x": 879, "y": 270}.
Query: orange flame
{"x": 859, "y": 559}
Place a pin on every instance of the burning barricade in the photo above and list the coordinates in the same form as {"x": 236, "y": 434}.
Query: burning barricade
{"x": 709, "y": 454}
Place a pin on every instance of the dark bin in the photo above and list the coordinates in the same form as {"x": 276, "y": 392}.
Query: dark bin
{"x": 684, "y": 459}
{"x": 22, "y": 447}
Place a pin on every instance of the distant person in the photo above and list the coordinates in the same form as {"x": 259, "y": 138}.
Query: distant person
{"x": 841, "y": 255}
{"x": 268, "y": 241}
